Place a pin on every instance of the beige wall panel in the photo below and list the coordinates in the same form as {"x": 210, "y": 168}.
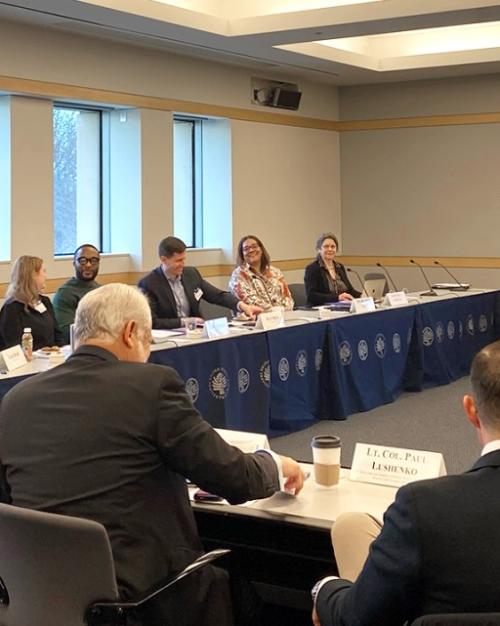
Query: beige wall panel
{"x": 157, "y": 179}
{"x": 31, "y": 178}
{"x": 285, "y": 186}
{"x": 424, "y": 191}
{"x": 474, "y": 94}
{"x": 42, "y": 54}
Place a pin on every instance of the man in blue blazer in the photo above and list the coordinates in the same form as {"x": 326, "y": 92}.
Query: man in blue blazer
{"x": 439, "y": 548}
{"x": 174, "y": 291}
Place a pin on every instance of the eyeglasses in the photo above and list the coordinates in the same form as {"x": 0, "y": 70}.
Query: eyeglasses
{"x": 83, "y": 260}
{"x": 251, "y": 248}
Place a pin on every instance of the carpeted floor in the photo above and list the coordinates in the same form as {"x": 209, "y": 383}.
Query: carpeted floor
{"x": 430, "y": 420}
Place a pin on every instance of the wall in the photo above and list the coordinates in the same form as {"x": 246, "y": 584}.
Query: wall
{"x": 430, "y": 189}
{"x": 286, "y": 186}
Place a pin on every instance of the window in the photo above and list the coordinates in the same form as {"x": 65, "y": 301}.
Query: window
{"x": 78, "y": 179}
{"x": 188, "y": 192}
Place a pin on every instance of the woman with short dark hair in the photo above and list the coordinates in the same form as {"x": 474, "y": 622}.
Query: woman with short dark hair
{"x": 325, "y": 279}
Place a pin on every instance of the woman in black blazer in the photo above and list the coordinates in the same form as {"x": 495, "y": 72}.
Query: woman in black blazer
{"x": 26, "y": 307}
{"x": 325, "y": 279}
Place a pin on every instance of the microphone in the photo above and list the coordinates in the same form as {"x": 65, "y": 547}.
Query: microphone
{"x": 431, "y": 291}
{"x": 363, "y": 290}
{"x": 460, "y": 286}
{"x": 386, "y": 272}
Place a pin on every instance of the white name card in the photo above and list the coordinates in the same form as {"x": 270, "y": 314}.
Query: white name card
{"x": 270, "y": 320}
{"x": 246, "y": 442}
{"x": 395, "y": 298}
{"x": 394, "y": 467}
{"x": 216, "y": 328}
{"x": 362, "y": 305}
{"x": 12, "y": 358}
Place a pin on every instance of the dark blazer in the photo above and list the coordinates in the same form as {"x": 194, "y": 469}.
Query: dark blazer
{"x": 14, "y": 318}
{"x": 438, "y": 552}
{"x": 161, "y": 299}
{"x": 317, "y": 285}
{"x": 113, "y": 441}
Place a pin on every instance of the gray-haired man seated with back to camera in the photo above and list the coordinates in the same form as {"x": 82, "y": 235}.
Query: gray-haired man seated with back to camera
{"x": 113, "y": 439}
{"x": 439, "y": 548}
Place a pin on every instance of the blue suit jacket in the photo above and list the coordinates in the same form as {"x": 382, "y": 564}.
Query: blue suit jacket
{"x": 438, "y": 552}
{"x": 161, "y": 298}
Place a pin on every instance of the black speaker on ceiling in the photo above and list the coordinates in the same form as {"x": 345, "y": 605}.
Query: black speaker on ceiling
{"x": 285, "y": 99}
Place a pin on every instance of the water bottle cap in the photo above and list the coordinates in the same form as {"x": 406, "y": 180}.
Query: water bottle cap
{"x": 27, "y": 330}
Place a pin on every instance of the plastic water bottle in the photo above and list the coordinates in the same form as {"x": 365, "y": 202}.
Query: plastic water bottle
{"x": 27, "y": 344}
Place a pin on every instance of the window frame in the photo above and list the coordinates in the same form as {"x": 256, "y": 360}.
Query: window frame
{"x": 196, "y": 123}
{"x": 104, "y": 217}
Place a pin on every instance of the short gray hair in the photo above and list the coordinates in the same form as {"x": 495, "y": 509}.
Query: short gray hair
{"x": 323, "y": 236}
{"x": 485, "y": 380}
{"x": 103, "y": 312}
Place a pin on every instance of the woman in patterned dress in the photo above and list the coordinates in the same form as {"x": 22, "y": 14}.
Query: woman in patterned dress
{"x": 255, "y": 280}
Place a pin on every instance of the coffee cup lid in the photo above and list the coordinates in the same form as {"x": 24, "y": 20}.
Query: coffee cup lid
{"x": 325, "y": 441}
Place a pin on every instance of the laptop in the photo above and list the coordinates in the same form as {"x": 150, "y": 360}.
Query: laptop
{"x": 375, "y": 288}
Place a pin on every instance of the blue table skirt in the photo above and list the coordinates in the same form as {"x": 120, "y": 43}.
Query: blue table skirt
{"x": 286, "y": 379}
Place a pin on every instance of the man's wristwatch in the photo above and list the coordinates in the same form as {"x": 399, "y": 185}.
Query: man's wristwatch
{"x": 315, "y": 589}
{"x": 319, "y": 585}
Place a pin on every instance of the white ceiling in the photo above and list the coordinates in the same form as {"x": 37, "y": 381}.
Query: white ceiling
{"x": 338, "y": 41}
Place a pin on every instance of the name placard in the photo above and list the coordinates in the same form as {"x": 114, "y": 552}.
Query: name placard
{"x": 270, "y": 320}
{"x": 384, "y": 465}
{"x": 396, "y": 298}
{"x": 362, "y": 305}
{"x": 246, "y": 442}
{"x": 12, "y": 358}
{"x": 216, "y": 328}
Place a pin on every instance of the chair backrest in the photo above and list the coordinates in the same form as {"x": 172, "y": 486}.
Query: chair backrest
{"x": 212, "y": 311}
{"x": 52, "y": 567}
{"x": 459, "y": 619}
{"x": 298, "y": 292}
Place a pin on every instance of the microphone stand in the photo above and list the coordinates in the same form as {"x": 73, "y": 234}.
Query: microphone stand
{"x": 431, "y": 291}
{"x": 386, "y": 272}
{"x": 460, "y": 286}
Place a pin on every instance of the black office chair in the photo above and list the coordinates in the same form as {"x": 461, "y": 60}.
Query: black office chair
{"x": 459, "y": 619}
{"x": 298, "y": 292}
{"x": 210, "y": 311}
{"x": 57, "y": 570}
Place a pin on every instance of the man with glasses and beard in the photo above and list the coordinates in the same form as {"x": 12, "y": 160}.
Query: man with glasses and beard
{"x": 86, "y": 263}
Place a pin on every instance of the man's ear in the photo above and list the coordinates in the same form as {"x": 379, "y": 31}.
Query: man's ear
{"x": 470, "y": 409}
{"x": 128, "y": 334}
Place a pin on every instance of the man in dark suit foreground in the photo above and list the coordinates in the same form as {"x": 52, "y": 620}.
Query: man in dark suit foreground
{"x": 439, "y": 548}
{"x": 174, "y": 291}
{"x": 109, "y": 437}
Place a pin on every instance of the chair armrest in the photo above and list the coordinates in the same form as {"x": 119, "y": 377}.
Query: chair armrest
{"x": 116, "y": 612}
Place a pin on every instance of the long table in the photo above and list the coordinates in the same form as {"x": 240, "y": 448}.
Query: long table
{"x": 285, "y": 379}
{"x": 282, "y": 544}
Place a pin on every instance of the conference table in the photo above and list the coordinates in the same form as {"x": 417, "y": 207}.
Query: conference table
{"x": 330, "y": 367}
{"x": 326, "y": 364}
{"x": 282, "y": 543}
